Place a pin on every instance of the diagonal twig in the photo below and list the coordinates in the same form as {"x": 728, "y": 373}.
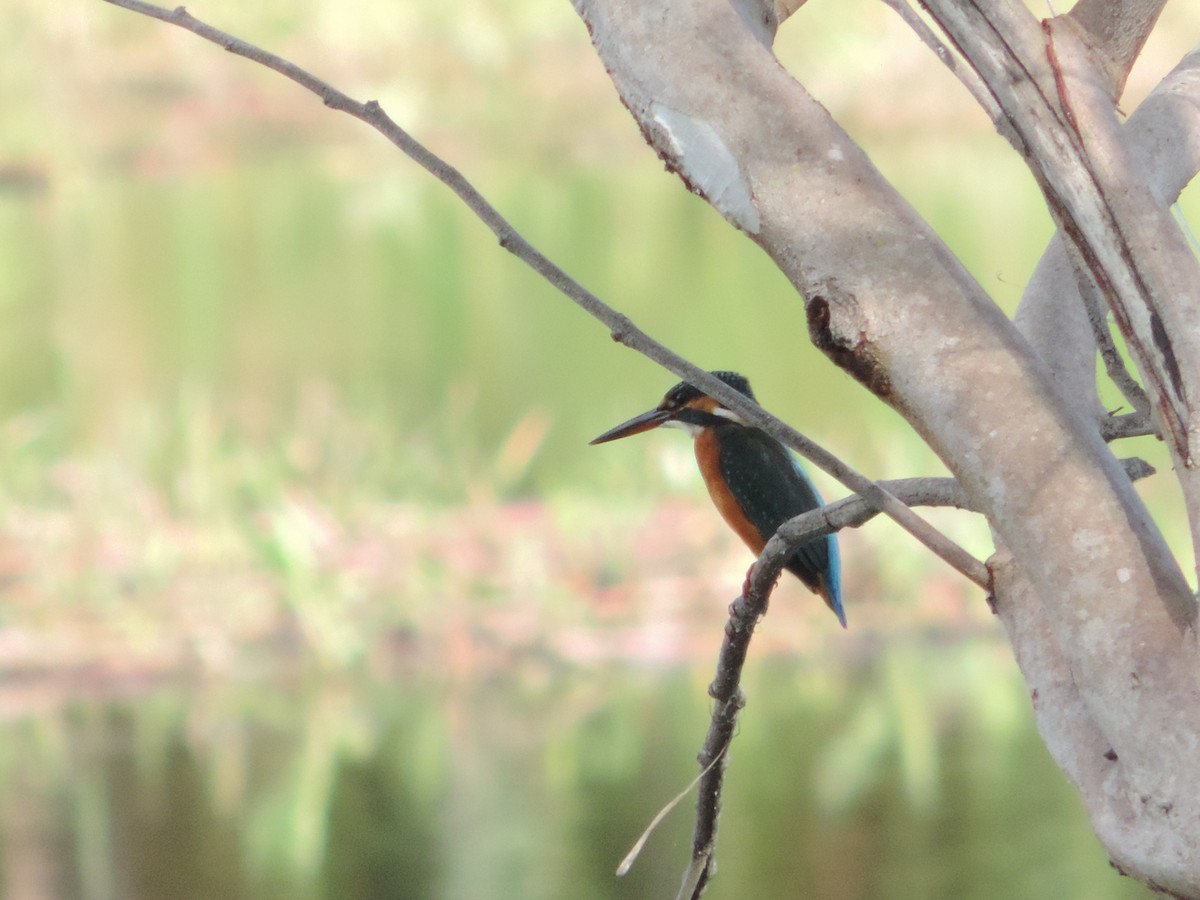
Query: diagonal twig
{"x": 620, "y": 326}
{"x": 1114, "y": 364}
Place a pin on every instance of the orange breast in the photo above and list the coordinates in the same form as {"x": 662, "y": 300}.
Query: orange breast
{"x": 708, "y": 458}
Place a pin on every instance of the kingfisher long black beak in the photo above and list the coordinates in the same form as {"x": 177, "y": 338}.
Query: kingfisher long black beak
{"x": 646, "y": 421}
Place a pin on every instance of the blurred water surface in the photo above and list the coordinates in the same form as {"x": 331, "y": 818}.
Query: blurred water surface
{"x": 910, "y": 776}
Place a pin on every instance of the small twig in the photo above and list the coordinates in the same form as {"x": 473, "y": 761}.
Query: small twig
{"x": 635, "y": 851}
{"x": 853, "y": 511}
{"x": 620, "y": 326}
{"x": 728, "y": 700}
{"x": 1130, "y": 425}
{"x": 850, "y": 512}
{"x": 1096, "y": 307}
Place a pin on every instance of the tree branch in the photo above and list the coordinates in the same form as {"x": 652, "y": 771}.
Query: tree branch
{"x": 1068, "y": 352}
{"x": 1117, "y": 228}
{"x": 1066, "y": 128}
{"x": 854, "y": 511}
{"x": 1113, "y": 428}
{"x": 1159, "y": 140}
{"x": 1114, "y": 364}
{"x": 728, "y": 700}
{"x": 1116, "y": 33}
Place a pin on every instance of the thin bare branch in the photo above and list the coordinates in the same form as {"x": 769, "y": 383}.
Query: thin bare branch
{"x": 1114, "y": 363}
{"x": 1114, "y": 223}
{"x": 728, "y": 700}
{"x": 1068, "y": 132}
{"x": 1131, "y": 425}
{"x": 620, "y": 326}
{"x": 635, "y": 851}
{"x": 1159, "y": 137}
{"x": 854, "y": 511}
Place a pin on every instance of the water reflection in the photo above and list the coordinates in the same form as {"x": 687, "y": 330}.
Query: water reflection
{"x": 913, "y": 774}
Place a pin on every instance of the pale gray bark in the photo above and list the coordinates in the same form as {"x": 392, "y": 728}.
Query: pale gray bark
{"x": 1098, "y": 612}
{"x": 1118, "y": 234}
{"x": 1159, "y": 139}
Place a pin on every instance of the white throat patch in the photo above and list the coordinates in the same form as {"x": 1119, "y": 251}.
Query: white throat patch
{"x": 730, "y": 415}
{"x": 691, "y": 429}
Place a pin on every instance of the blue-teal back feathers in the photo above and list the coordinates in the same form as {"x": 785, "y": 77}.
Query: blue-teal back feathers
{"x": 771, "y": 487}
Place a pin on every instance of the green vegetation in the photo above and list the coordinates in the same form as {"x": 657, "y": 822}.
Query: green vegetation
{"x": 531, "y": 779}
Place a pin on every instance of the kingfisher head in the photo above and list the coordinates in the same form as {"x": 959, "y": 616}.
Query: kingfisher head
{"x": 684, "y": 406}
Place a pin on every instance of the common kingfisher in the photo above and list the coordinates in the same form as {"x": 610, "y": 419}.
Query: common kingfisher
{"x": 754, "y": 480}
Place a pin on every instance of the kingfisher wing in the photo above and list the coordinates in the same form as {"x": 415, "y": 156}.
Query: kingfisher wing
{"x": 771, "y": 488}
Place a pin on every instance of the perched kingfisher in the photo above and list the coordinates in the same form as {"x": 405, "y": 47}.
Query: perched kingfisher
{"x": 754, "y": 480}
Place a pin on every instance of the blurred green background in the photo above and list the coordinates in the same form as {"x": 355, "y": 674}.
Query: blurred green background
{"x": 311, "y": 586}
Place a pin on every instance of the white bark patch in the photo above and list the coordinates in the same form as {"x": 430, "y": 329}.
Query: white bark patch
{"x": 708, "y": 165}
